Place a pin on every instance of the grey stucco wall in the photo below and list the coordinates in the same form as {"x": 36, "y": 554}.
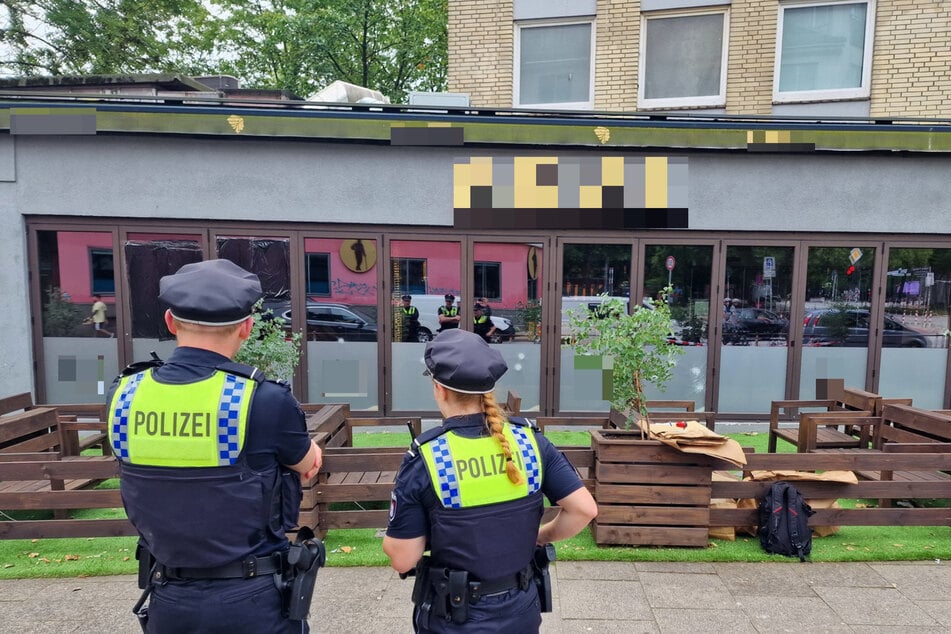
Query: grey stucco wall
{"x": 241, "y": 179}
{"x": 150, "y": 177}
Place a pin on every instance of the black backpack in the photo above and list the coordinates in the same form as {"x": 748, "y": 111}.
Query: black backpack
{"x": 784, "y": 522}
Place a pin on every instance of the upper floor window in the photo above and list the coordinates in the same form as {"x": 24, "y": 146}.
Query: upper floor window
{"x": 683, "y": 60}
{"x": 554, "y": 65}
{"x": 824, "y": 51}
{"x": 318, "y": 274}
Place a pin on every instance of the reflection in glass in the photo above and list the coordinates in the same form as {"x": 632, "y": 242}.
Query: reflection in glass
{"x": 342, "y": 324}
{"x": 425, "y": 271}
{"x": 755, "y": 318}
{"x": 79, "y": 359}
{"x": 587, "y": 271}
{"x": 917, "y": 298}
{"x": 149, "y": 257}
{"x": 835, "y": 328}
{"x": 687, "y": 270}
{"x": 506, "y": 278}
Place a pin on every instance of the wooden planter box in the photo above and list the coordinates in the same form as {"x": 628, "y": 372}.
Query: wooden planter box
{"x": 649, "y": 494}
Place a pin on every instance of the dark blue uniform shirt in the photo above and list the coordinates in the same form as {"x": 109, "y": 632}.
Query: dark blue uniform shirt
{"x": 414, "y": 496}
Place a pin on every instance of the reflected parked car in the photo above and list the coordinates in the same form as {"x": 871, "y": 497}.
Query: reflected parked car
{"x": 335, "y": 322}
{"x": 745, "y": 324}
{"x": 820, "y": 329}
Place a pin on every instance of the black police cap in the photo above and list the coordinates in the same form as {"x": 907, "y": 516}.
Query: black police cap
{"x": 450, "y": 297}
{"x": 210, "y": 293}
{"x": 407, "y": 298}
{"x": 464, "y": 362}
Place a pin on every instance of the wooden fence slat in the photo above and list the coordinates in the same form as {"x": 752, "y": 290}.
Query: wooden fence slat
{"x": 49, "y": 500}
{"x": 50, "y": 529}
{"x": 845, "y": 517}
{"x": 651, "y": 494}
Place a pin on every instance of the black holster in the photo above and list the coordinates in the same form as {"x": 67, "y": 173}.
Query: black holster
{"x": 146, "y": 569}
{"x": 305, "y": 557}
{"x": 544, "y": 555}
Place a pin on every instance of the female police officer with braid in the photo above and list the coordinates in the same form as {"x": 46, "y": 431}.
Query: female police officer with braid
{"x": 470, "y": 492}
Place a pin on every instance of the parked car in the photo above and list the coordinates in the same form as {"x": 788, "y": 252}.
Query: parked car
{"x": 745, "y": 324}
{"x": 819, "y": 329}
{"x": 335, "y": 322}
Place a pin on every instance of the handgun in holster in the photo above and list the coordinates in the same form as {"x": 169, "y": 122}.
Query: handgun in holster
{"x": 544, "y": 555}
{"x": 422, "y": 591}
{"x": 304, "y": 558}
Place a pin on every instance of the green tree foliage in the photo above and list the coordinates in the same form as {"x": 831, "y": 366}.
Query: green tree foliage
{"x": 75, "y": 37}
{"x": 60, "y": 316}
{"x": 270, "y": 347}
{"x": 393, "y": 46}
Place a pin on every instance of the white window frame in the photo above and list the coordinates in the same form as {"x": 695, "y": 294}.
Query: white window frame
{"x": 837, "y": 94}
{"x": 707, "y": 101}
{"x": 517, "y": 62}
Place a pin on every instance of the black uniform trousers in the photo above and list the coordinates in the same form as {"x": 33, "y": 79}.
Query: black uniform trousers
{"x": 512, "y": 611}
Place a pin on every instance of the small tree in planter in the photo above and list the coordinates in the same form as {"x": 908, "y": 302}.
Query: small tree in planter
{"x": 271, "y": 348}
{"x": 637, "y": 344}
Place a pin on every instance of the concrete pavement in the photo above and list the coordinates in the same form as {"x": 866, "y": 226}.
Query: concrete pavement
{"x": 589, "y": 597}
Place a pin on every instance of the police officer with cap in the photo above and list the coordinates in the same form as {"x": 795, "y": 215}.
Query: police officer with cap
{"x": 211, "y": 460}
{"x": 471, "y": 493}
{"x": 448, "y": 315}
{"x": 409, "y": 320}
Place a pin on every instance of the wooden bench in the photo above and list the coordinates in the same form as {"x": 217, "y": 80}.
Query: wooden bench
{"x": 906, "y": 429}
{"x": 850, "y": 402}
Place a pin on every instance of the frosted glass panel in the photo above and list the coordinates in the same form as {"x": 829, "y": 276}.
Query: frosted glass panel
{"x": 79, "y": 369}
{"x": 826, "y": 362}
{"x": 751, "y": 377}
{"x": 581, "y": 389}
{"x": 411, "y": 390}
{"x": 343, "y": 372}
{"x": 919, "y": 374}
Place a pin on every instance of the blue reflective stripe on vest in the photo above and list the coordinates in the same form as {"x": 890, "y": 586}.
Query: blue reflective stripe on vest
{"x": 120, "y": 418}
{"x": 446, "y": 474}
{"x": 529, "y": 458}
{"x": 229, "y": 409}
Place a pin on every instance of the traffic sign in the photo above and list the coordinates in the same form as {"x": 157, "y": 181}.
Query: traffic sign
{"x": 769, "y": 267}
{"x": 670, "y": 263}
{"x": 855, "y": 255}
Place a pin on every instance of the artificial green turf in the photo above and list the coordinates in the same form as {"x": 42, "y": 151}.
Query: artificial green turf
{"x": 362, "y": 547}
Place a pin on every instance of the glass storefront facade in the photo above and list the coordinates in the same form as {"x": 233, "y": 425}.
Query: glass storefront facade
{"x": 759, "y": 319}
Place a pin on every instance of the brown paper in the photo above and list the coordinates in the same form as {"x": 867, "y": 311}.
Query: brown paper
{"x": 696, "y": 438}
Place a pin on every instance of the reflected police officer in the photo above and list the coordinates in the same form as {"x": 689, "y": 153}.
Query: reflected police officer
{"x": 471, "y": 492}
{"x": 409, "y": 318}
{"x": 482, "y": 323}
{"x": 448, "y": 315}
{"x": 211, "y": 460}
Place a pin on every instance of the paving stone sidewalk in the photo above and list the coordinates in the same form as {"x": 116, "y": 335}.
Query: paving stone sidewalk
{"x": 589, "y": 597}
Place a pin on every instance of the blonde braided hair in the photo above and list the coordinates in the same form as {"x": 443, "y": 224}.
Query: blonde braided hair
{"x": 494, "y": 424}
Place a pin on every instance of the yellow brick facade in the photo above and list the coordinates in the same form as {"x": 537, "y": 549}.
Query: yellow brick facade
{"x": 481, "y": 37}
{"x": 911, "y": 66}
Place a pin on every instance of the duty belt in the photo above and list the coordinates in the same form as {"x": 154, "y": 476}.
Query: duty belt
{"x": 246, "y": 569}
{"x": 478, "y": 589}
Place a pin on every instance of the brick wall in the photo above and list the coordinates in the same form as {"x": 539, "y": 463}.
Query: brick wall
{"x": 911, "y": 67}
{"x": 480, "y": 51}
{"x": 911, "y": 62}
{"x": 617, "y": 54}
{"x": 751, "y": 56}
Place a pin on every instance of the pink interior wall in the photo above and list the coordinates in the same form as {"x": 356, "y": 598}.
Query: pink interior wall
{"x": 442, "y": 263}
{"x": 75, "y": 268}
{"x": 346, "y": 286}
{"x": 513, "y": 259}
